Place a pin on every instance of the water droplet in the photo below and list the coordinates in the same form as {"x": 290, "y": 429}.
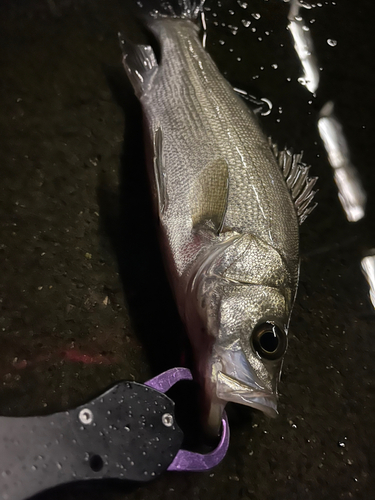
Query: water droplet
{"x": 305, "y": 5}
{"x": 221, "y": 42}
{"x": 242, "y": 4}
{"x": 274, "y": 66}
{"x": 256, "y": 16}
{"x": 332, "y": 43}
{"x": 341, "y": 444}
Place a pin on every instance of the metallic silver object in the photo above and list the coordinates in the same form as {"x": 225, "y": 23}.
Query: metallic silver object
{"x": 86, "y": 416}
{"x": 351, "y": 192}
{"x": 303, "y": 46}
{"x": 167, "y": 419}
{"x": 368, "y": 269}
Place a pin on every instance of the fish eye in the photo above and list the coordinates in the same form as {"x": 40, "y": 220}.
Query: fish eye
{"x": 269, "y": 341}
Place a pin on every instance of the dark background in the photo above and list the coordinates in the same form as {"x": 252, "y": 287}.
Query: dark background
{"x": 84, "y": 300}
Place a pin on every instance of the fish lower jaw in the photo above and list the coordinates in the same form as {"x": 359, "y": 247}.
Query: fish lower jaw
{"x": 236, "y": 391}
{"x": 214, "y": 417}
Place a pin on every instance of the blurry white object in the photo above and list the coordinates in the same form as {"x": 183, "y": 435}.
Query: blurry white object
{"x": 368, "y": 269}
{"x": 303, "y": 46}
{"x": 351, "y": 193}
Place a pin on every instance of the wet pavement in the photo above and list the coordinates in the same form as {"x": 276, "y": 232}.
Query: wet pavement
{"x": 84, "y": 299}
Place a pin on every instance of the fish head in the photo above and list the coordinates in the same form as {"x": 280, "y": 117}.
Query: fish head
{"x": 246, "y": 312}
{"x": 246, "y": 358}
{"x": 247, "y": 355}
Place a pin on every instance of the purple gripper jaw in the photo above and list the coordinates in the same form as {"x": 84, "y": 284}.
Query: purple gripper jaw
{"x": 187, "y": 460}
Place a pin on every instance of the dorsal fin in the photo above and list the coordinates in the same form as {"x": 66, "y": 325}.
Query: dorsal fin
{"x": 296, "y": 175}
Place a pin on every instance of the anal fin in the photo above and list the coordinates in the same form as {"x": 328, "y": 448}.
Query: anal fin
{"x": 139, "y": 62}
{"x": 296, "y": 175}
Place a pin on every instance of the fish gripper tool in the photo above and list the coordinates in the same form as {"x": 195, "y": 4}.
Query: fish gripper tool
{"x": 129, "y": 432}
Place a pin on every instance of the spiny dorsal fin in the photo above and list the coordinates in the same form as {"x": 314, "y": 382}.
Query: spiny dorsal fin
{"x": 296, "y": 175}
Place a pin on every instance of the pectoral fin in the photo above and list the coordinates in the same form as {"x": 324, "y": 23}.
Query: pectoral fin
{"x": 209, "y": 196}
{"x": 159, "y": 172}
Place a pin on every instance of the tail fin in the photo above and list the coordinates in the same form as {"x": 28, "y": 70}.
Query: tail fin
{"x": 184, "y": 9}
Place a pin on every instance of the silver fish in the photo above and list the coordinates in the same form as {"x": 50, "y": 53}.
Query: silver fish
{"x": 229, "y": 204}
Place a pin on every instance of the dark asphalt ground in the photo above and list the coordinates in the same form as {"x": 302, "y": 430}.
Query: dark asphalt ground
{"x": 84, "y": 300}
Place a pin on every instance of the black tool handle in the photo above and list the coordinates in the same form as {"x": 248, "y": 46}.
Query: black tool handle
{"x": 129, "y": 432}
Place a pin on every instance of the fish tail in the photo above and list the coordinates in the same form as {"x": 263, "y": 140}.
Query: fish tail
{"x": 140, "y": 61}
{"x": 183, "y": 9}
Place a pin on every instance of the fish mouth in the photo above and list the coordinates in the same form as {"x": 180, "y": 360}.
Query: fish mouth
{"x": 237, "y": 381}
{"x": 236, "y": 391}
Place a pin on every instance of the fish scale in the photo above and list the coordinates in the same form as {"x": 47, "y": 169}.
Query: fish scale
{"x": 213, "y": 122}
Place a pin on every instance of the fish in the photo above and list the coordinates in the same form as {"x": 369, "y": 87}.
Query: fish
{"x": 228, "y": 204}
